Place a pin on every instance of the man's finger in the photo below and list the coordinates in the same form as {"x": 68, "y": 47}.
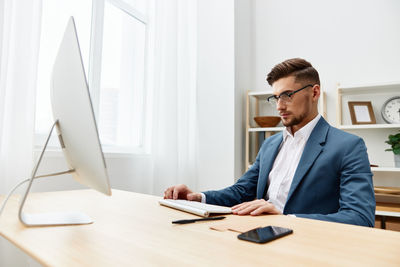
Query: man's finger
{"x": 175, "y": 193}
{"x": 238, "y": 205}
{"x": 266, "y": 208}
{"x": 242, "y": 207}
{"x": 260, "y": 210}
{"x": 167, "y": 193}
{"x": 248, "y": 209}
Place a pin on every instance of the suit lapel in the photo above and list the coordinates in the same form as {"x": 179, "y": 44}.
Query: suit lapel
{"x": 266, "y": 166}
{"x": 312, "y": 150}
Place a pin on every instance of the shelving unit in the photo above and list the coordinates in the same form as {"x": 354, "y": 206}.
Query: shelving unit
{"x": 385, "y": 169}
{"x": 253, "y": 107}
{"x": 369, "y": 126}
{"x": 379, "y": 93}
{"x": 256, "y": 105}
{"x": 374, "y": 135}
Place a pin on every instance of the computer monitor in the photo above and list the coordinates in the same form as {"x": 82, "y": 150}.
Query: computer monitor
{"x": 76, "y": 128}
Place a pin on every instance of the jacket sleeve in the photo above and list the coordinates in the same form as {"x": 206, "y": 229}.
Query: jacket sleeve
{"x": 243, "y": 190}
{"x": 357, "y": 198}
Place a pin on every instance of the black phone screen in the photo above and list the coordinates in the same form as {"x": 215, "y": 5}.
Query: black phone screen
{"x": 265, "y": 234}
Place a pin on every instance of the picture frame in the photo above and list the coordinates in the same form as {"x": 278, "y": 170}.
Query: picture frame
{"x": 361, "y": 112}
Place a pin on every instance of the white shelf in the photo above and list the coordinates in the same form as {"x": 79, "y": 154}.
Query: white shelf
{"x": 372, "y": 88}
{"x": 387, "y": 213}
{"x": 261, "y": 94}
{"x": 369, "y": 126}
{"x": 267, "y": 129}
{"x": 385, "y": 169}
{"x": 374, "y": 135}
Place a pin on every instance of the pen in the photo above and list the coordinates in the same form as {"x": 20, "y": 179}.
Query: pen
{"x": 198, "y": 220}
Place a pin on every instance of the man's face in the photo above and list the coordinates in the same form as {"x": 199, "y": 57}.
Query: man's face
{"x": 301, "y": 108}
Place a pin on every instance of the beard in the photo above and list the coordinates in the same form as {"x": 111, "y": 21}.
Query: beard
{"x": 293, "y": 121}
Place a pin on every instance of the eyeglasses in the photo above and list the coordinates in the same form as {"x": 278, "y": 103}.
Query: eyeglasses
{"x": 285, "y": 96}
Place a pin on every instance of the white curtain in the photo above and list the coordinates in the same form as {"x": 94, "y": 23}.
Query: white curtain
{"x": 175, "y": 139}
{"x": 19, "y": 41}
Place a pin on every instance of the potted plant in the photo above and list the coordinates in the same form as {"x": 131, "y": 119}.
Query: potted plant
{"x": 394, "y": 141}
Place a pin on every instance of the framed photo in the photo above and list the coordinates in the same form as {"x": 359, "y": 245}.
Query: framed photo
{"x": 361, "y": 112}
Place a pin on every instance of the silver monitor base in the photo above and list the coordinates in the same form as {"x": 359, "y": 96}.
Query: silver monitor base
{"x": 55, "y": 218}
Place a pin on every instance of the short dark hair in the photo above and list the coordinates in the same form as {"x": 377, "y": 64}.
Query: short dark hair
{"x": 301, "y": 69}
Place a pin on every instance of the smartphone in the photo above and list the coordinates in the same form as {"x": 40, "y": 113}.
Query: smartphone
{"x": 265, "y": 234}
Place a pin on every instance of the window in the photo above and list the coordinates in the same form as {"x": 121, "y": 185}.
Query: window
{"x": 55, "y": 15}
{"x": 113, "y": 44}
{"x": 122, "y": 78}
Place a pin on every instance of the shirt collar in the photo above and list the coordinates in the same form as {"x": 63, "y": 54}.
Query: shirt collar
{"x": 304, "y": 132}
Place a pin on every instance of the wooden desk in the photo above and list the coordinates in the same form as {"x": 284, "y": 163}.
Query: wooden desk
{"x": 132, "y": 229}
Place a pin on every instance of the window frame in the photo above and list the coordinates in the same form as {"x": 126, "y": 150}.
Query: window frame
{"x": 94, "y": 75}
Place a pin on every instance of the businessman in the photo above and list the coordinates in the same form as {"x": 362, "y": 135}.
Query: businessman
{"x": 309, "y": 170}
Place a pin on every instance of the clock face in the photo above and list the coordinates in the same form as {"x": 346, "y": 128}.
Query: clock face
{"x": 391, "y": 110}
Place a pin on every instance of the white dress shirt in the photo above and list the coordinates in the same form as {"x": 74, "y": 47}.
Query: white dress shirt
{"x": 281, "y": 175}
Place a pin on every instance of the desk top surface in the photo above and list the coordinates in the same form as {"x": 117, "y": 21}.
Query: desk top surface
{"x": 133, "y": 229}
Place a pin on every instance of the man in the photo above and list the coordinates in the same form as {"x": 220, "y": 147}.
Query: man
{"x": 310, "y": 170}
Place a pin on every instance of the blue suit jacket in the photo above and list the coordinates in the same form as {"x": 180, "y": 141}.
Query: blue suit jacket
{"x": 332, "y": 182}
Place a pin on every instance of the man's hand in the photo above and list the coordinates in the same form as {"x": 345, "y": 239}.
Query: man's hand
{"x": 181, "y": 192}
{"x": 255, "y": 207}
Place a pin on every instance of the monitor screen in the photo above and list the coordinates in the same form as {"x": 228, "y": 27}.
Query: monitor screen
{"x": 72, "y": 108}
{"x": 77, "y": 132}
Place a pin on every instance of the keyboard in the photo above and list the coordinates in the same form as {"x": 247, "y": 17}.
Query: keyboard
{"x": 195, "y": 207}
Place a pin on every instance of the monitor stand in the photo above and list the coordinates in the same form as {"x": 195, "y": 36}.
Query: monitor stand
{"x": 54, "y": 218}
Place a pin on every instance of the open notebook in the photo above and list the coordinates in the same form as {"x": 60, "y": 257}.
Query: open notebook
{"x": 194, "y": 207}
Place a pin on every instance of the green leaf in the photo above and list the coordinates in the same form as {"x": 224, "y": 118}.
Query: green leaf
{"x": 394, "y": 142}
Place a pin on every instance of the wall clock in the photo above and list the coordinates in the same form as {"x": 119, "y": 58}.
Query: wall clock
{"x": 391, "y": 110}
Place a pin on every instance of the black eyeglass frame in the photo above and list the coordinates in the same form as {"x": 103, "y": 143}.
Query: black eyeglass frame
{"x": 274, "y": 99}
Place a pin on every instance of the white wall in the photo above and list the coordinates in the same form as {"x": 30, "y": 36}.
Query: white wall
{"x": 347, "y": 41}
{"x": 120, "y": 168}
{"x": 244, "y": 75}
{"x": 216, "y": 94}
